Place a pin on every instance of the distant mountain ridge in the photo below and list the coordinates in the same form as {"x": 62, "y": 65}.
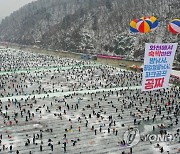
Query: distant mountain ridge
{"x": 89, "y": 25}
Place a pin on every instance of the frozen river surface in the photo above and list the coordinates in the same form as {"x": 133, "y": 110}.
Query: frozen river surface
{"x": 59, "y": 105}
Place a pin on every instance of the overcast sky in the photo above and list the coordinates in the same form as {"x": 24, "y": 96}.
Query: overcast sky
{"x": 8, "y": 6}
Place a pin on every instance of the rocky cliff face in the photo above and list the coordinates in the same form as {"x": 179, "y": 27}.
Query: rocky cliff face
{"x": 89, "y": 25}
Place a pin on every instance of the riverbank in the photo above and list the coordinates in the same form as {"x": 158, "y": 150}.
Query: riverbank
{"x": 113, "y": 62}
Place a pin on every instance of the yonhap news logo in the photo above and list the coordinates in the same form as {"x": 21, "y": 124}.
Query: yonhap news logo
{"x": 132, "y": 137}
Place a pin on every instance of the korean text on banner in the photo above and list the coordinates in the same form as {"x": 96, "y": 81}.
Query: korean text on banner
{"x": 157, "y": 65}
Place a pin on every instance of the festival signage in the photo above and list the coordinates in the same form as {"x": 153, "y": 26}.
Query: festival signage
{"x": 157, "y": 65}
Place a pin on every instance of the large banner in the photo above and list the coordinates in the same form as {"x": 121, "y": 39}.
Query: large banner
{"x": 157, "y": 65}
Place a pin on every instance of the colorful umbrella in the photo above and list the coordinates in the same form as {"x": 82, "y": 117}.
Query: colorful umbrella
{"x": 132, "y": 26}
{"x": 154, "y": 22}
{"x": 143, "y": 25}
{"x": 174, "y": 26}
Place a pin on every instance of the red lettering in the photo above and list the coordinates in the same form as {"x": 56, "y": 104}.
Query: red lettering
{"x": 149, "y": 84}
{"x": 159, "y": 82}
{"x": 158, "y": 53}
{"x": 151, "y": 53}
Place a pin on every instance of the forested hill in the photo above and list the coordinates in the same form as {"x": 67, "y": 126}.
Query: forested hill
{"x": 89, "y": 25}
